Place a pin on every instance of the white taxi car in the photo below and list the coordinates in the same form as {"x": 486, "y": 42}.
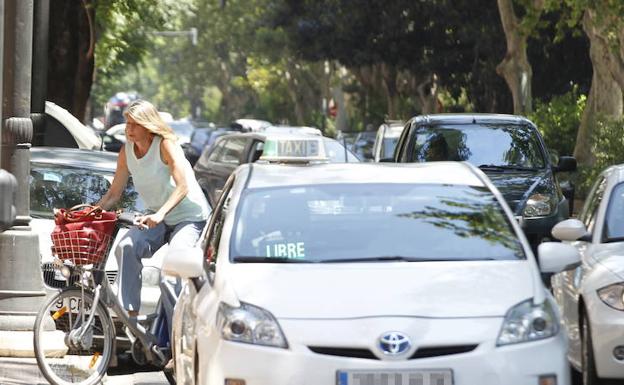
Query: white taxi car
{"x": 353, "y": 274}
{"x": 591, "y": 297}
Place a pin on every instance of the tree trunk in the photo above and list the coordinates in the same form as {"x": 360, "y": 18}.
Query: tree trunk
{"x": 515, "y": 67}
{"x": 428, "y": 95}
{"x": 389, "y": 75}
{"x": 605, "y": 94}
{"x": 71, "y": 60}
{"x": 294, "y": 93}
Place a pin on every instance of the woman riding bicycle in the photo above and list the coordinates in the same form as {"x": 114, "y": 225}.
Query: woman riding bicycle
{"x": 166, "y": 183}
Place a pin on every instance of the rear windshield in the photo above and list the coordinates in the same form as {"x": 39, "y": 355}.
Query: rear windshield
{"x": 480, "y": 144}
{"x": 342, "y": 222}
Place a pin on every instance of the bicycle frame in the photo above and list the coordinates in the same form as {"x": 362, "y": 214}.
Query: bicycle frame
{"x": 102, "y": 292}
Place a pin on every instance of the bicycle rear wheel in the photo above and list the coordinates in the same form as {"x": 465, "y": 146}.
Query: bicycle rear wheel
{"x": 62, "y": 355}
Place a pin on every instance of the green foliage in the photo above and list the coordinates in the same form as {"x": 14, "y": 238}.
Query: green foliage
{"x": 123, "y": 33}
{"x": 608, "y": 142}
{"x": 558, "y": 120}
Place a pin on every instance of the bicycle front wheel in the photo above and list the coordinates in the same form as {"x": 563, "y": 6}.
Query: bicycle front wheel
{"x": 69, "y": 349}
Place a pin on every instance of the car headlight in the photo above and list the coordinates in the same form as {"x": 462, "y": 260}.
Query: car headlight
{"x": 613, "y": 295}
{"x": 250, "y": 324}
{"x": 539, "y": 205}
{"x": 528, "y": 322}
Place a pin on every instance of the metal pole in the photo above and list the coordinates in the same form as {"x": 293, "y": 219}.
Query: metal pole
{"x": 21, "y": 284}
{"x": 40, "y": 69}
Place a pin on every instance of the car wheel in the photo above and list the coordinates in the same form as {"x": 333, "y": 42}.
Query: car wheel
{"x": 587, "y": 354}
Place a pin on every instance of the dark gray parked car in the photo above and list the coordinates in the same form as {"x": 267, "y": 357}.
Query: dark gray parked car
{"x": 508, "y": 149}
{"x": 229, "y": 151}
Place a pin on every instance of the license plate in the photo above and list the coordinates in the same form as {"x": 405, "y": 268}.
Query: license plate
{"x": 395, "y": 377}
{"x": 71, "y": 305}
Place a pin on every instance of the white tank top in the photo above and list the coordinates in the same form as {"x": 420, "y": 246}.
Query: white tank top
{"x": 154, "y": 183}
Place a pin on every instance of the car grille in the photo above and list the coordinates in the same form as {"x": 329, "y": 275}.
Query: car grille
{"x": 344, "y": 352}
{"x": 426, "y": 352}
{"x": 442, "y": 351}
{"x": 50, "y": 278}
{"x": 111, "y": 275}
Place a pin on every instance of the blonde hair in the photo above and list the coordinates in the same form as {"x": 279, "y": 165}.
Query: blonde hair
{"x": 146, "y": 114}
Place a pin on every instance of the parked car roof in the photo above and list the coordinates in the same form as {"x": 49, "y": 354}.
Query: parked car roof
{"x": 101, "y": 160}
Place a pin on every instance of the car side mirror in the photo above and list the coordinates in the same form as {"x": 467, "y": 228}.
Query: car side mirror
{"x": 571, "y": 230}
{"x": 555, "y": 257}
{"x": 566, "y": 163}
{"x": 186, "y": 262}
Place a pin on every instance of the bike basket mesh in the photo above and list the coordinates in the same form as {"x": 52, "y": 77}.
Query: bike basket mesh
{"x": 81, "y": 247}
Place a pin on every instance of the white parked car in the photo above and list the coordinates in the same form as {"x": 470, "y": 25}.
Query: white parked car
{"x": 591, "y": 297}
{"x": 386, "y": 140}
{"x": 349, "y": 274}
{"x": 64, "y": 177}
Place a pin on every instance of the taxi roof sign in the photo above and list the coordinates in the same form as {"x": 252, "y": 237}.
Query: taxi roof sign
{"x": 296, "y": 149}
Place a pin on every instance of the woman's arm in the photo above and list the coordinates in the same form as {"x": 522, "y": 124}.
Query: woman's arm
{"x": 174, "y": 160}
{"x": 120, "y": 180}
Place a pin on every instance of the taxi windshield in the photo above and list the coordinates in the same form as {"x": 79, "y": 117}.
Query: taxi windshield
{"x": 480, "y": 144}
{"x": 375, "y": 222}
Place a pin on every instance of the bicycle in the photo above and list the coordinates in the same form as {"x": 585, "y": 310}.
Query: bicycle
{"x": 74, "y": 334}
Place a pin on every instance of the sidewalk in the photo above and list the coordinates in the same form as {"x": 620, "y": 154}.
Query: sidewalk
{"x": 20, "y": 371}
{"x": 24, "y": 371}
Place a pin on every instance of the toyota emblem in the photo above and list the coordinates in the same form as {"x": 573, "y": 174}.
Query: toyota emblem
{"x": 394, "y": 343}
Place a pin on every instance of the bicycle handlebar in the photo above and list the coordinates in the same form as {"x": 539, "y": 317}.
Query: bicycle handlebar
{"x": 128, "y": 218}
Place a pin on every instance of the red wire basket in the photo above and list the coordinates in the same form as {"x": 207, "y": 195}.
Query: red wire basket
{"x": 81, "y": 247}
{"x": 83, "y": 234}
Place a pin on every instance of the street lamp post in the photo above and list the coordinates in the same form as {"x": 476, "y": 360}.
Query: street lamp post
{"x": 21, "y": 285}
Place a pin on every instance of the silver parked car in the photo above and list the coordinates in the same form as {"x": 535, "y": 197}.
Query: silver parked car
{"x": 64, "y": 177}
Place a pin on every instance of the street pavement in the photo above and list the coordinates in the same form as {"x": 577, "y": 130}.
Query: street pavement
{"x": 22, "y": 371}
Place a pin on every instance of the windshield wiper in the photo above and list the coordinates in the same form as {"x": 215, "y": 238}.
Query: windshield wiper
{"x": 251, "y": 259}
{"x": 383, "y": 258}
{"x": 505, "y": 167}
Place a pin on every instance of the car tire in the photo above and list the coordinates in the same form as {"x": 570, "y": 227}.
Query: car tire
{"x": 589, "y": 375}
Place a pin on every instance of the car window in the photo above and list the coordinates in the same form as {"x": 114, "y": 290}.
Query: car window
{"x": 614, "y": 225}
{"x": 388, "y": 145}
{"x": 593, "y": 203}
{"x": 479, "y": 144}
{"x": 216, "y": 152}
{"x": 53, "y": 186}
{"x": 232, "y": 151}
{"x": 336, "y": 152}
{"x": 216, "y": 224}
{"x": 343, "y": 221}
{"x": 256, "y": 151}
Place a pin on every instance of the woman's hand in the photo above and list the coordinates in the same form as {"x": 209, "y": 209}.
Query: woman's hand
{"x": 151, "y": 220}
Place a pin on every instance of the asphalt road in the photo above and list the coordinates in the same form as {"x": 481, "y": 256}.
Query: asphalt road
{"x": 22, "y": 371}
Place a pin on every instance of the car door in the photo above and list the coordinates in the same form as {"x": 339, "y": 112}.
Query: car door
{"x": 571, "y": 280}
{"x": 188, "y": 316}
{"x": 205, "y": 307}
{"x": 230, "y": 157}
{"x": 205, "y": 166}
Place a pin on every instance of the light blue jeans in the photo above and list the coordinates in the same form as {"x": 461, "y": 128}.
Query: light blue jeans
{"x": 138, "y": 244}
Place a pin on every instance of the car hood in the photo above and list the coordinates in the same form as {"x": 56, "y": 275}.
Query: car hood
{"x": 517, "y": 186}
{"x": 83, "y": 135}
{"x": 416, "y": 289}
{"x": 611, "y": 256}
